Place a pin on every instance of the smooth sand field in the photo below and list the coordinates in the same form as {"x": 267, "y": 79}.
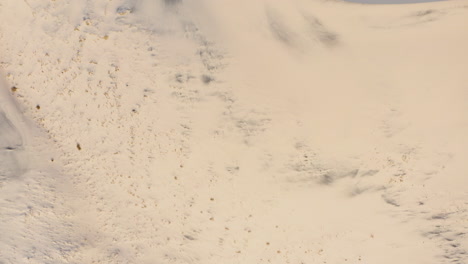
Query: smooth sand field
{"x": 222, "y": 131}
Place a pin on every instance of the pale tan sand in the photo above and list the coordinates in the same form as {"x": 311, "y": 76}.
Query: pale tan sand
{"x": 234, "y": 132}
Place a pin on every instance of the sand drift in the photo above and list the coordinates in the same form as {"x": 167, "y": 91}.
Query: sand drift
{"x": 233, "y": 132}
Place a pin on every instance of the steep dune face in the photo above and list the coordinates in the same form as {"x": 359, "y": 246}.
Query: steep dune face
{"x": 233, "y": 132}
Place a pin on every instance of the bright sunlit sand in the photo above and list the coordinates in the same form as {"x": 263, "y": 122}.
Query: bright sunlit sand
{"x": 233, "y": 132}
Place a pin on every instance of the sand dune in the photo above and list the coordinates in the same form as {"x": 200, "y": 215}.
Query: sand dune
{"x": 233, "y": 132}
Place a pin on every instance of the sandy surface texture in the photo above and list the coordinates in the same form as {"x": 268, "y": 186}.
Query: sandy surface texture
{"x": 234, "y": 131}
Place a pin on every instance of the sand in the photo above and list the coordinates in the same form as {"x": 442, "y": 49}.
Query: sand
{"x": 233, "y": 132}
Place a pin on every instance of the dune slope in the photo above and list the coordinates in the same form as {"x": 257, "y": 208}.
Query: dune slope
{"x": 233, "y": 132}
